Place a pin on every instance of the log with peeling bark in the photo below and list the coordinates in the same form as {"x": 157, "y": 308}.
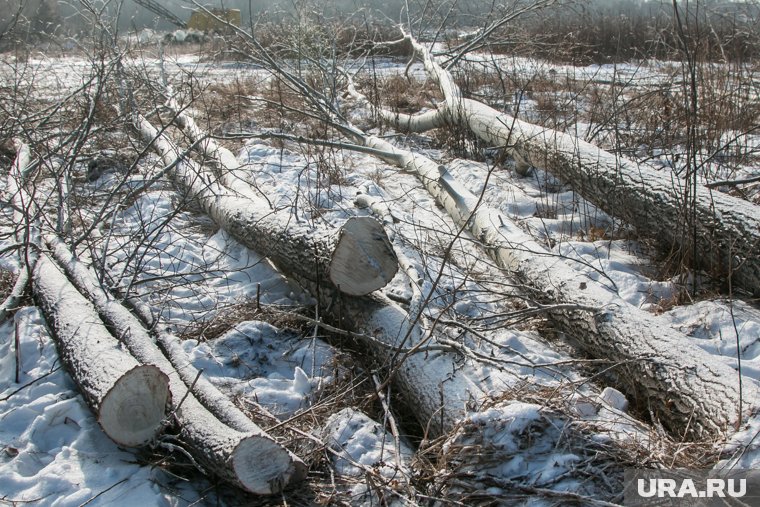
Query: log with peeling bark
{"x": 726, "y": 229}
{"x": 355, "y": 258}
{"x": 226, "y": 443}
{"x": 129, "y": 399}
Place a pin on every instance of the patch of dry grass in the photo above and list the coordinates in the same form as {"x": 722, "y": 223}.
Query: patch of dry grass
{"x": 7, "y": 279}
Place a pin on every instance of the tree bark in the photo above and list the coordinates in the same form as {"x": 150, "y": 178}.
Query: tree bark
{"x": 439, "y": 387}
{"x": 240, "y": 453}
{"x": 129, "y": 399}
{"x": 687, "y": 388}
{"x": 355, "y": 258}
{"x": 25, "y": 234}
{"x": 726, "y": 229}
{"x": 248, "y": 457}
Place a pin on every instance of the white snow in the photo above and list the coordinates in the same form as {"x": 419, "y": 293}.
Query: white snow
{"x": 266, "y": 365}
{"x": 53, "y": 453}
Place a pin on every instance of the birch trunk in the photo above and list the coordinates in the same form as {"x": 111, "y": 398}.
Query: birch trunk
{"x": 128, "y": 398}
{"x": 726, "y": 229}
{"x": 244, "y": 454}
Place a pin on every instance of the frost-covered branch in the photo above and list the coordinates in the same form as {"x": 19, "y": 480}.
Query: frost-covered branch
{"x": 727, "y": 229}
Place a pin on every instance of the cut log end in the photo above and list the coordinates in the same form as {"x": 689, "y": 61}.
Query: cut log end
{"x": 133, "y": 411}
{"x": 363, "y": 260}
{"x": 264, "y": 467}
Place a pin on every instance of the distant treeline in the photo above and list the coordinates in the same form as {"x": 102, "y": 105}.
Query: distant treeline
{"x": 599, "y": 31}
{"x": 580, "y": 31}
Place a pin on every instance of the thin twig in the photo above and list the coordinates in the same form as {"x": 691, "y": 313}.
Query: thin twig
{"x": 6, "y": 398}
{"x": 105, "y": 491}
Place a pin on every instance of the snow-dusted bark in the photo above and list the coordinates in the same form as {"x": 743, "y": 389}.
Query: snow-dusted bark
{"x": 440, "y": 387}
{"x": 131, "y": 395}
{"x": 241, "y": 452}
{"x": 686, "y": 387}
{"x": 25, "y": 233}
{"x": 355, "y": 258}
{"x": 130, "y": 399}
{"x": 727, "y": 229}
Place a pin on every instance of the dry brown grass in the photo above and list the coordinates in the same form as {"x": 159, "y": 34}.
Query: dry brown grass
{"x": 406, "y": 95}
{"x": 7, "y": 279}
{"x": 456, "y": 465}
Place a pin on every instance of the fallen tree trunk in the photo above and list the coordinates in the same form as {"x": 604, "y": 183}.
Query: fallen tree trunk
{"x": 247, "y": 458}
{"x": 438, "y": 386}
{"x": 726, "y": 229}
{"x": 687, "y": 388}
{"x": 355, "y": 258}
{"x": 128, "y": 398}
{"x": 239, "y": 452}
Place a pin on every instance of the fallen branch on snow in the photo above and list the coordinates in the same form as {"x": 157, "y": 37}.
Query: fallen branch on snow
{"x": 727, "y": 229}
{"x": 687, "y": 388}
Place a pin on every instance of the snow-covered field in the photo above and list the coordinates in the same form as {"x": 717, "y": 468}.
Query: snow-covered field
{"x": 205, "y": 287}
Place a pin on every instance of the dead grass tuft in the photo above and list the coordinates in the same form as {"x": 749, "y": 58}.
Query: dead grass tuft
{"x": 7, "y": 279}
{"x": 406, "y": 95}
{"x": 457, "y": 465}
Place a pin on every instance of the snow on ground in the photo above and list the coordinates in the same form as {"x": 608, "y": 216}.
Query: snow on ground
{"x": 358, "y": 443}
{"x": 51, "y": 449}
{"x": 257, "y": 361}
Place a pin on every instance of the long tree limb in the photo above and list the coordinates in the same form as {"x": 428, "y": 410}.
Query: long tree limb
{"x": 684, "y": 385}
{"x": 727, "y": 229}
{"x": 355, "y": 258}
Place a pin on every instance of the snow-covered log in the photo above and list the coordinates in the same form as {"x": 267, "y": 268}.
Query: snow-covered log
{"x": 130, "y": 399}
{"x": 244, "y": 456}
{"x": 232, "y": 175}
{"x": 686, "y": 387}
{"x": 239, "y": 452}
{"x": 727, "y": 229}
{"x": 355, "y": 259}
{"x": 436, "y": 384}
